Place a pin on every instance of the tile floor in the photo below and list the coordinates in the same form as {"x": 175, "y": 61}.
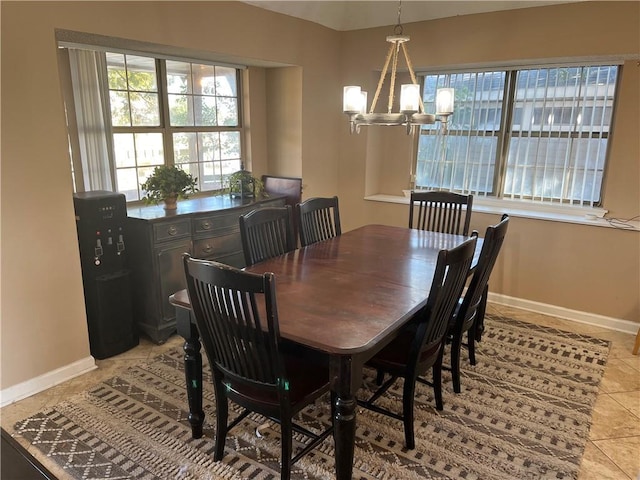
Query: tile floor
{"x": 613, "y": 450}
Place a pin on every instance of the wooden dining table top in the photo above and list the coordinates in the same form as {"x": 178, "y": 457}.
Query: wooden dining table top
{"x": 344, "y": 295}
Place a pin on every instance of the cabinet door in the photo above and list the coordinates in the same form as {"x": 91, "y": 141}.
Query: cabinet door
{"x": 171, "y": 275}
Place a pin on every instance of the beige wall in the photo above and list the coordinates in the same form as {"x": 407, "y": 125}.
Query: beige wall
{"x": 43, "y": 320}
{"x": 284, "y": 110}
{"x": 255, "y": 113}
{"x": 589, "y": 269}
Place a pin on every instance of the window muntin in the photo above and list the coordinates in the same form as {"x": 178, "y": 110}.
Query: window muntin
{"x": 209, "y": 156}
{"x": 202, "y": 95}
{"x": 544, "y": 138}
{"x": 173, "y": 112}
{"x": 133, "y": 90}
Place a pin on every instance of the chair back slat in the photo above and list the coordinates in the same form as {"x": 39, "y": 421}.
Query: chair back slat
{"x": 452, "y": 270}
{"x": 492, "y": 244}
{"x": 266, "y": 233}
{"x": 318, "y": 219}
{"x": 241, "y": 344}
{"x": 444, "y": 212}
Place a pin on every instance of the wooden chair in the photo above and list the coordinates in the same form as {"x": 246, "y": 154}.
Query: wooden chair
{"x": 318, "y": 219}
{"x": 470, "y": 312}
{"x": 420, "y": 345}
{"x": 247, "y": 358}
{"x": 266, "y": 233}
{"x": 445, "y": 212}
{"x": 290, "y": 187}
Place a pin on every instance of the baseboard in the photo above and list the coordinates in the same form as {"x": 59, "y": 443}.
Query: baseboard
{"x": 45, "y": 381}
{"x": 610, "y": 323}
{"x": 55, "y": 377}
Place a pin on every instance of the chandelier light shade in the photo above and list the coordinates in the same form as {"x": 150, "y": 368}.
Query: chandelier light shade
{"x": 411, "y": 113}
{"x": 410, "y": 97}
{"x": 444, "y": 105}
{"x": 444, "y": 101}
{"x": 354, "y": 100}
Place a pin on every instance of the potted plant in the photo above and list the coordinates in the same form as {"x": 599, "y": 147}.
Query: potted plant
{"x": 168, "y": 183}
{"x": 244, "y": 185}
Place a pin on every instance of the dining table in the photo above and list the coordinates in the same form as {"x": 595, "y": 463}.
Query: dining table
{"x": 346, "y": 297}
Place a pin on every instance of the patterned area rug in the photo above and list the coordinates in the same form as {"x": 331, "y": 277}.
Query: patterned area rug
{"x": 524, "y": 413}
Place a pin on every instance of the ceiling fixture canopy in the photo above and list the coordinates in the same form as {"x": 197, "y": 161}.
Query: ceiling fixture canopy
{"x": 411, "y": 112}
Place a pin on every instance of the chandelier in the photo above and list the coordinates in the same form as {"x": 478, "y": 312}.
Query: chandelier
{"x": 411, "y": 112}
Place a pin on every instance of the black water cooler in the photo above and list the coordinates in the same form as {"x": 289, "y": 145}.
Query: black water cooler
{"x": 100, "y": 219}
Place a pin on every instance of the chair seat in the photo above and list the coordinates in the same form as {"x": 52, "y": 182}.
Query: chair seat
{"x": 393, "y": 358}
{"x": 307, "y": 381}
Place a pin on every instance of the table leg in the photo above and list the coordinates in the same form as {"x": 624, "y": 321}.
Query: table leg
{"x": 192, "y": 369}
{"x": 344, "y": 420}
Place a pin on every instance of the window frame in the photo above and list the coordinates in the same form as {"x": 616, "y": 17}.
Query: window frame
{"x": 67, "y": 40}
{"x": 167, "y": 130}
{"x": 505, "y": 135}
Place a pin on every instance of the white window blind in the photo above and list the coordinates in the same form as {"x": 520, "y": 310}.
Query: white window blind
{"x": 531, "y": 134}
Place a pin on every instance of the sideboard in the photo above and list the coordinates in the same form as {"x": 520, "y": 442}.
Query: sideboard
{"x": 205, "y": 227}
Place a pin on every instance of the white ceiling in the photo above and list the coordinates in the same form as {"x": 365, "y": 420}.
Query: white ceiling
{"x": 355, "y": 14}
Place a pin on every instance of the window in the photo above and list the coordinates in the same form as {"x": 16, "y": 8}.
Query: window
{"x": 173, "y": 112}
{"x": 531, "y": 134}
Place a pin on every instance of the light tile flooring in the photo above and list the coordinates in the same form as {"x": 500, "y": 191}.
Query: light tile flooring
{"x": 613, "y": 450}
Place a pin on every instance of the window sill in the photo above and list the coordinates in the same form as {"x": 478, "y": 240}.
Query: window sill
{"x": 592, "y": 216}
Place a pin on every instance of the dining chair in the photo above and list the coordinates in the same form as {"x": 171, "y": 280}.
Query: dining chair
{"x": 419, "y": 346}
{"x": 318, "y": 219}
{"x": 249, "y": 363}
{"x": 290, "y": 187}
{"x": 445, "y": 212}
{"x": 266, "y": 233}
{"x": 470, "y": 310}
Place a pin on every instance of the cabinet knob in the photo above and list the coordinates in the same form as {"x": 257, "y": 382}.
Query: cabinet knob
{"x": 206, "y": 225}
{"x": 172, "y": 230}
{"x": 207, "y": 248}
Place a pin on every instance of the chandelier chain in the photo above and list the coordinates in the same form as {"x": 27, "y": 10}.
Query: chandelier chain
{"x": 383, "y": 74}
{"x": 394, "y": 69}
{"x": 397, "y": 30}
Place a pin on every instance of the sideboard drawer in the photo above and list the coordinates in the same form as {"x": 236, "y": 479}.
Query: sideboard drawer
{"x": 171, "y": 230}
{"x": 217, "y": 246}
{"x": 205, "y": 224}
{"x": 220, "y": 222}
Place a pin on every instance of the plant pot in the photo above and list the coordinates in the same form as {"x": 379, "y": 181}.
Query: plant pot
{"x": 171, "y": 203}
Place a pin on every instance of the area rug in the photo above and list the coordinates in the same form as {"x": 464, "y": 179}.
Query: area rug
{"x": 524, "y": 413}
